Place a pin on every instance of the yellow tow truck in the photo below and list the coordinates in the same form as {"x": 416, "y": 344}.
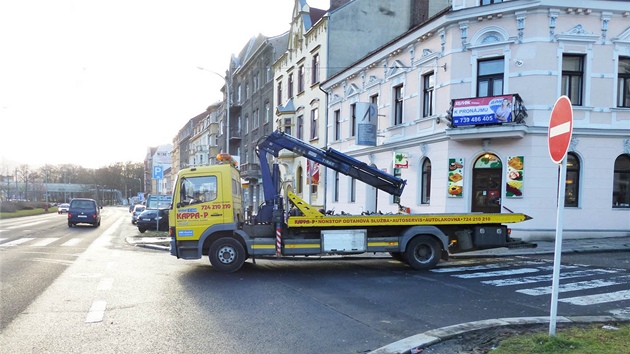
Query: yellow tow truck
{"x": 207, "y": 217}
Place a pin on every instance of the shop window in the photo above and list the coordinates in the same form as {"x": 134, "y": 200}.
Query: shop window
{"x": 573, "y": 78}
{"x": 337, "y": 115}
{"x": 298, "y": 180}
{"x": 353, "y": 119}
{"x": 621, "y": 182}
{"x": 426, "y": 182}
{"x": 572, "y": 187}
{"x": 353, "y": 190}
{"x": 398, "y": 105}
{"x": 428, "y": 88}
{"x": 336, "y": 187}
{"x": 623, "y": 96}
{"x": 490, "y": 77}
{"x": 489, "y": 2}
{"x": 397, "y": 173}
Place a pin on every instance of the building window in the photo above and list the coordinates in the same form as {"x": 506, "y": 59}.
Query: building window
{"x": 337, "y": 115}
{"x": 398, "y": 105}
{"x": 246, "y": 90}
{"x": 267, "y": 112}
{"x": 287, "y": 126}
{"x": 490, "y": 77}
{"x": 353, "y": 190}
{"x": 256, "y": 118}
{"x": 299, "y": 127}
{"x": 238, "y": 92}
{"x": 256, "y": 82}
{"x": 299, "y": 183}
{"x": 573, "y": 78}
{"x": 426, "y": 182}
{"x": 315, "y": 69}
{"x": 314, "y": 125}
{"x": 290, "y": 86}
{"x": 301, "y": 79}
{"x": 268, "y": 74}
{"x": 621, "y": 182}
{"x": 374, "y": 100}
{"x": 572, "y": 187}
{"x": 336, "y": 187}
{"x": 489, "y": 2}
{"x": 428, "y": 81}
{"x": 353, "y": 118}
{"x": 279, "y": 91}
{"x": 247, "y": 123}
{"x": 623, "y": 99}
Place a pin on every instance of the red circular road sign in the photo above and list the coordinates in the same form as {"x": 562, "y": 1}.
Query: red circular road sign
{"x": 560, "y": 129}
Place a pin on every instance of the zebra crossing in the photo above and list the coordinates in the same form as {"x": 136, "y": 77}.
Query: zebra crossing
{"x": 40, "y": 242}
{"x": 580, "y": 285}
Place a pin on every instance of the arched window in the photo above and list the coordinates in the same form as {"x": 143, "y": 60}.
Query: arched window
{"x": 621, "y": 182}
{"x": 572, "y": 186}
{"x": 298, "y": 180}
{"x": 426, "y": 182}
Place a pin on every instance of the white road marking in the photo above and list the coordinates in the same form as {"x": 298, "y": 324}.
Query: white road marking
{"x": 25, "y": 225}
{"x": 498, "y": 273}
{"x": 19, "y": 241}
{"x": 560, "y": 129}
{"x": 547, "y": 277}
{"x": 482, "y": 267}
{"x": 45, "y": 241}
{"x": 97, "y": 311}
{"x": 563, "y": 288}
{"x": 71, "y": 242}
{"x": 105, "y": 284}
{"x": 598, "y": 299}
{"x": 2, "y": 239}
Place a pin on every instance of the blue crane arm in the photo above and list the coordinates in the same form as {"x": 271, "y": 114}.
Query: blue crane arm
{"x": 334, "y": 159}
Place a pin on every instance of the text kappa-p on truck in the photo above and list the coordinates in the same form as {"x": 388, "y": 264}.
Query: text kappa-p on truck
{"x": 207, "y": 217}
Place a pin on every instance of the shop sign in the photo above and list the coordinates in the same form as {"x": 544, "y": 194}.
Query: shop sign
{"x": 401, "y": 160}
{"x": 366, "y": 123}
{"x": 455, "y": 177}
{"x": 483, "y": 110}
{"x": 514, "y": 178}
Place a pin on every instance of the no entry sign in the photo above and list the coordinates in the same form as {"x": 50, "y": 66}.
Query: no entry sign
{"x": 560, "y": 129}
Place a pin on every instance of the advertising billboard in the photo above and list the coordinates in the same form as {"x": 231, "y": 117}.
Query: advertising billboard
{"x": 483, "y": 110}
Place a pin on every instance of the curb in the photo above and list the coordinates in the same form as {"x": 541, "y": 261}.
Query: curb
{"x": 157, "y": 243}
{"x": 434, "y": 336}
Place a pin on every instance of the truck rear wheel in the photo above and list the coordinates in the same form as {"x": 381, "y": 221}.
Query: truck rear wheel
{"x": 423, "y": 252}
{"x": 226, "y": 254}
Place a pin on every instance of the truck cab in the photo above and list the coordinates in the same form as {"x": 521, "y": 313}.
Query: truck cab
{"x": 206, "y": 201}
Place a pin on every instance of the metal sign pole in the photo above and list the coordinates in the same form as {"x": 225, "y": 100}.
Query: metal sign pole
{"x": 558, "y": 249}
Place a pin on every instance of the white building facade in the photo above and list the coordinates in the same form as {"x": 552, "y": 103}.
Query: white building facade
{"x": 431, "y": 86}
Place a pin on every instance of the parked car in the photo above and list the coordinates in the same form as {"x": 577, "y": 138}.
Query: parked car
{"x": 147, "y": 220}
{"x": 137, "y": 209}
{"x": 63, "y": 208}
{"x": 84, "y": 211}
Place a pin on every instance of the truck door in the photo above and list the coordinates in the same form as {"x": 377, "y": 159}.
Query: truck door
{"x": 487, "y": 182}
{"x": 200, "y": 205}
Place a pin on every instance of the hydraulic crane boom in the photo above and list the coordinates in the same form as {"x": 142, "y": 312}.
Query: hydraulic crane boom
{"x": 334, "y": 159}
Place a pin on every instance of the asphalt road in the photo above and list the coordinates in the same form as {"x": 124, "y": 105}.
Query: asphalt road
{"x": 114, "y": 297}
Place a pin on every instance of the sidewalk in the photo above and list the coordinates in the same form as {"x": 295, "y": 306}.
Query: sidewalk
{"x": 612, "y": 244}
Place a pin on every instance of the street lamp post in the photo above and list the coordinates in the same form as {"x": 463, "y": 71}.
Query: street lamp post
{"x": 227, "y": 113}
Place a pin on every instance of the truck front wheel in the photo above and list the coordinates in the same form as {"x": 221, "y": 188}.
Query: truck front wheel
{"x": 226, "y": 254}
{"x": 423, "y": 252}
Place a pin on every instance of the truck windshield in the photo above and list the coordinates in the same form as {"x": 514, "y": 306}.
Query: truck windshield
{"x": 195, "y": 190}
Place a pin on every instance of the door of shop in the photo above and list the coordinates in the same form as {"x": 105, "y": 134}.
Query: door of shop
{"x": 487, "y": 182}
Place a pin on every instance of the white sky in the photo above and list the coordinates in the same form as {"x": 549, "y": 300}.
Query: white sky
{"x": 94, "y": 82}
